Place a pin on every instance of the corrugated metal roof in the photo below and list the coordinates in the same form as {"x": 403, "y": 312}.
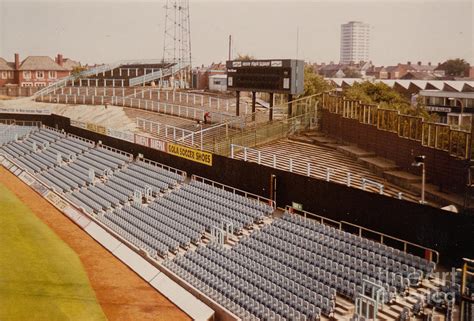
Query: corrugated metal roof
{"x": 451, "y": 85}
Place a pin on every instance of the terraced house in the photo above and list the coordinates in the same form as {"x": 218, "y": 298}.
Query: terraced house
{"x": 35, "y": 71}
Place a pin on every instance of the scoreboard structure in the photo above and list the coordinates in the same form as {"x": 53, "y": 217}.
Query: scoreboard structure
{"x": 283, "y": 76}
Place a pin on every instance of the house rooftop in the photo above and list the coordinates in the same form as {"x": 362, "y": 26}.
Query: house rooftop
{"x": 40, "y": 63}
{"x": 5, "y": 65}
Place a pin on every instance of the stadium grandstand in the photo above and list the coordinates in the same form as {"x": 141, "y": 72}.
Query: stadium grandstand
{"x": 208, "y": 191}
{"x": 240, "y": 253}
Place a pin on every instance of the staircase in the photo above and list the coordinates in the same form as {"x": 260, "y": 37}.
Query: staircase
{"x": 107, "y": 67}
{"x": 165, "y": 72}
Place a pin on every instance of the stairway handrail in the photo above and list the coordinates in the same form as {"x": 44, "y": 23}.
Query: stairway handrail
{"x": 96, "y": 70}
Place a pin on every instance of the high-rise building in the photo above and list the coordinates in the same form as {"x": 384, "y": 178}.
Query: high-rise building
{"x": 355, "y": 36}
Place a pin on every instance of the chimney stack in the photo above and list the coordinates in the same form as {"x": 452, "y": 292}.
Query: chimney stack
{"x": 59, "y": 60}
{"x": 429, "y": 63}
{"x": 17, "y": 61}
{"x": 419, "y": 63}
{"x": 409, "y": 63}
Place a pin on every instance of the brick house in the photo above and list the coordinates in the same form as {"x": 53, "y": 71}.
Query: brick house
{"x": 35, "y": 71}
{"x": 400, "y": 70}
{"x": 7, "y": 72}
{"x": 200, "y": 76}
{"x": 377, "y": 72}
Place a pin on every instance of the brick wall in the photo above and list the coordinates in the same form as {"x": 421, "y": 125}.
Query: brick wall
{"x": 18, "y": 91}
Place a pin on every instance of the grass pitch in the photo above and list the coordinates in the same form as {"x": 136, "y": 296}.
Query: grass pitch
{"x": 41, "y": 278}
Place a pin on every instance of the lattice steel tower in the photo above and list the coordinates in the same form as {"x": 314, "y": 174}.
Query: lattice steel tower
{"x": 177, "y": 40}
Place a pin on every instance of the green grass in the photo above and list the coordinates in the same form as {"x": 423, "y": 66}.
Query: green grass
{"x": 41, "y": 278}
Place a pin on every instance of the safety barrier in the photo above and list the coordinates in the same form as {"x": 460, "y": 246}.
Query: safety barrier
{"x": 433, "y": 135}
{"x": 322, "y": 172}
{"x": 234, "y": 190}
{"x": 430, "y": 254}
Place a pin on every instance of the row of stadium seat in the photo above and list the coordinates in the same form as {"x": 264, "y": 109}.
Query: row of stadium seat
{"x": 11, "y": 132}
{"x": 197, "y": 212}
{"x": 288, "y": 265}
{"x": 291, "y": 268}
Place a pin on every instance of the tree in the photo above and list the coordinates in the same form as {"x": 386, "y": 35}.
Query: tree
{"x": 314, "y": 83}
{"x": 244, "y": 57}
{"x": 385, "y": 97}
{"x": 455, "y": 67}
{"x": 76, "y": 71}
{"x": 351, "y": 73}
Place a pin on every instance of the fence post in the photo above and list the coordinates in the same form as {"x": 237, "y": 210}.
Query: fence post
{"x": 291, "y": 165}
{"x": 308, "y": 169}
{"x": 259, "y": 157}
{"x": 274, "y": 161}
{"x": 363, "y": 184}
{"x": 400, "y": 195}
{"x": 328, "y": 174}
{"x": 245, "y": 154}
{"x": 348, "y": 179}
{"x": 201, "y": 140}
{"x": 231, "y": 150}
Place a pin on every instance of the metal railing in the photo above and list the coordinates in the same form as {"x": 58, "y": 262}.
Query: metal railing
{"x": 433, "y": 135}
{"x": 384, "y": 237}
{"x": 432, "y": 256}
{"x": 234, "y": 190}
{"x": 294, "y": 165}
{"x": 163, "y": 166}
{"x": 165, "y": 72}
{"x": 93, "y": 71}
{"x": 305, "y": 117}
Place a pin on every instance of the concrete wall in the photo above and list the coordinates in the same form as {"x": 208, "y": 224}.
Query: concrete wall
{"x": 446, "y": 171}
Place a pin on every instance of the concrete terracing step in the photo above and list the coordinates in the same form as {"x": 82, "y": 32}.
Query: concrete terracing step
{"x": 345, "y": 304}
{"x": 355, "y": 152}
{"x": 378, "y": 164}
{"x": 302, "y": 139}
{"x": 401, "y": 178}
{"x": 314, "y": 134}
{"x": 322, "y": 140}
{"x": 442, "y": 198}
{"x": 387, "y": 314}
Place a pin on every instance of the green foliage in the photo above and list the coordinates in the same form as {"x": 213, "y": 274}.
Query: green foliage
{"x": 351, "y": 73}
{"x": 375, "y": 93}
{"x": 76, "y": 71}
{"x": 314, "y": 83}
{"x": 385, "y": 97}
{"x": 244, "y": 57}
{"x": 455, "y": 67}
{"x": 41, "y": 277}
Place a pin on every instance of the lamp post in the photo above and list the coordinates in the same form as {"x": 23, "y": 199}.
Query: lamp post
{"x": 462, "y": 106}
{"x": 420, "y": 161}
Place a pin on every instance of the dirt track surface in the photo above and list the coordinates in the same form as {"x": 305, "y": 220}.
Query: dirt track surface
{"x": 122, "y": 294}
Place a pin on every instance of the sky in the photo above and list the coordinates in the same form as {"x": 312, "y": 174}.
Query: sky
{"x": 110, "y": 30}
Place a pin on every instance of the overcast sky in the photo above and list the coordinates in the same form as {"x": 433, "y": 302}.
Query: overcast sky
{"x": 106, "y": 31}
